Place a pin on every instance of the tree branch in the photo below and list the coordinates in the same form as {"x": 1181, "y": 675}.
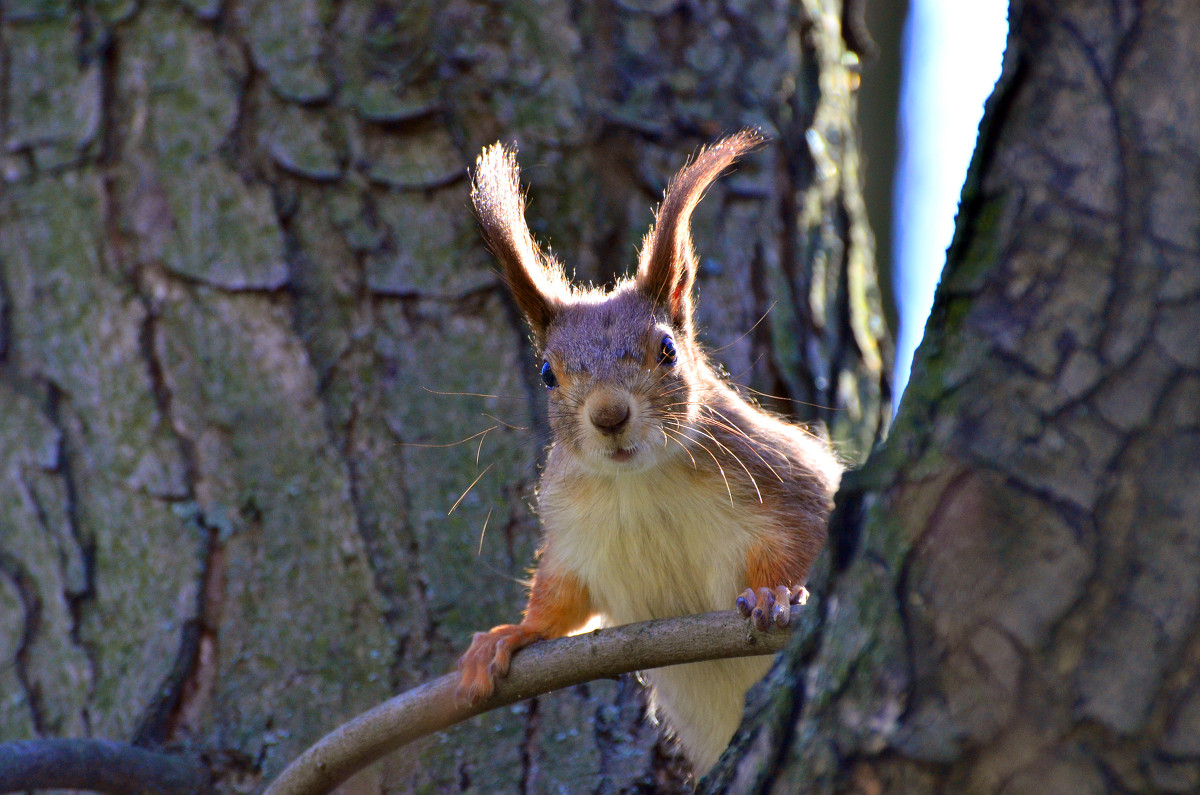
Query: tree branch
{"x": 540, "y": 668}
{"x": 98, "y": 766}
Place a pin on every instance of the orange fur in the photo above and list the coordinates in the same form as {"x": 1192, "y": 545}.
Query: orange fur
{"x": 558, "y": 604}
{"x": 783, "y": 558}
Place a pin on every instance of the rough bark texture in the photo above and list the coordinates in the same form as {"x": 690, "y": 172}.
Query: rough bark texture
{"x": 244, "y": 309}
{"x": 1016, "y": 609}
{"x": 878, "y": 121}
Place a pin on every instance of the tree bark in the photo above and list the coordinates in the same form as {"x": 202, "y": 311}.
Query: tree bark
{"x": 1016, "y": 607}
{"x": 245, "y": 316}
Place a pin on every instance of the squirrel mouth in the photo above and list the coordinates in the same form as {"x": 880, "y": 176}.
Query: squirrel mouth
{"x": 621, "y": 454}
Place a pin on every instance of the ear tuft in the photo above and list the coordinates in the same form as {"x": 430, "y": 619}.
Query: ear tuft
{"x": 667, "y": 266}
{"x": 535, "y": 279}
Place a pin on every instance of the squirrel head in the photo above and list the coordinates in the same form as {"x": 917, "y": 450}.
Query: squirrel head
{"x": 623, "y": 370}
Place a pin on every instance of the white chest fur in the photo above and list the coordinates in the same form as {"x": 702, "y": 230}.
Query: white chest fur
{"x": 650, "y": 545}
{"x": 654, "y": 546}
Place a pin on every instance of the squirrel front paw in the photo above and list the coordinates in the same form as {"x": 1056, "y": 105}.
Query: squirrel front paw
{"x": 767, "y": 607}
{"x": 488, "y": 659}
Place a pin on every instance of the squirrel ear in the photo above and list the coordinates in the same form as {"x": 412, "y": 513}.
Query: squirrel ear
{"x": 667, "y": 266}
{"x": 535, "y": 279}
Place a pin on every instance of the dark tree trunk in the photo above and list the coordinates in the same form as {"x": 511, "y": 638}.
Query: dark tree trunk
{"x": 244, "y": 311}
{"x": 1016, "y": 606}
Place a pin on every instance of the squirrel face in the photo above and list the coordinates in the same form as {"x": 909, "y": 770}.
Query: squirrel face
{"x": 623, "y": 368}
{"x": 620, "y": 399}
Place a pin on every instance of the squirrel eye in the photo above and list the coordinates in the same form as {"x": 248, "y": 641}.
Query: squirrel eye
{"x": 548, "y": 376}
{"x": 667, "y": 354}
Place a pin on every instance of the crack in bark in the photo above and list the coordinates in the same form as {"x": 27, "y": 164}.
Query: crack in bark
{"x": 165, "y": 710}
{"x": 161, "y": 715}
{"x": 530, "y": 731}
{"x": 1131, "y": 210}
{"x": 78, "y": 600}
{"x": 162, "y": 712}
{"x": 12, "y": 569}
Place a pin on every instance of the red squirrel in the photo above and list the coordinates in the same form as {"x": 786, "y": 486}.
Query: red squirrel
{"x": 664, "y": 492}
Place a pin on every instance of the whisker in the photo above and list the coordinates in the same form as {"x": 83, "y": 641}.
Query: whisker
{"x": 482, "y": 532}
{"x": 720, "y": 468}
{"x": 794, "y": 425}
{"x": 521, "y": 581}
{"x": 713, "y": 423}
{"x": 505, "y": 424}
{"x": 678, "y": 440}
{"x": 450, "y": 444}
{"x": 479, "y": 449}
{"x": 464, "y": 494}
{"x": 754, "y": 443}
{"x": 741, "y": 463}
{"x": 733, "y": 377}
{"x": 749, "y": 330}
{"x": 729, "y": 426}
{"x": 783, "y": 399}
{"x": 472, "y": 394}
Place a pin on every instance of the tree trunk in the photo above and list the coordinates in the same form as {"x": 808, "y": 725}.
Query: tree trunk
{"x": 245, "y": 317}
{"x": 1015, "y": 609}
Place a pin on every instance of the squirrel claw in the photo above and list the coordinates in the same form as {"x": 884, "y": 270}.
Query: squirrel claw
{"x": 468, "y": 694}
{"x": 762, "y": 612}
{"x": 473, "y": 688}
{"x": 781, "y": 613}
{"x": 746, "y": 602}
{"x": 488, "y": 660}
{"x": 768, "y": 607}
{"x": 481, "y": 665}
{"x": 761, "y": 620}
{"x": 477, "y": 671}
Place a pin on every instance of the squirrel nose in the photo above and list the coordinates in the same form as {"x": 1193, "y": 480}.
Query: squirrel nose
{"x": 609, "y": 417}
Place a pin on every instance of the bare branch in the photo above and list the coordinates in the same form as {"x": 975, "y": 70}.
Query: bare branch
{"x": 97, "y": 766}
{"x": 537, "y": 669}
